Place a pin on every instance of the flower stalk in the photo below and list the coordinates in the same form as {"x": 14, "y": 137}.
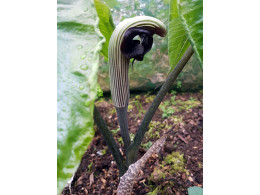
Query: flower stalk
{"x": 121, "y": 49}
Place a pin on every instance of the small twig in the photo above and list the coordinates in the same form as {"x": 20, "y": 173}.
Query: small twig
{"x": 182, "y": 138}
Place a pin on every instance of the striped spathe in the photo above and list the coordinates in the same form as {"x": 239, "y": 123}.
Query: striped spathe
{"x": 118, "y": 64}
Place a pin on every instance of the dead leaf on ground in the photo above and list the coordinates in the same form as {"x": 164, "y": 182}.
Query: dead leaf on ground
{"x": 182, "y": 138}
{"x": 91, "y": 179}
{"x": 85, "y": 191}
{"x": 103, "y": 180}
{"x": 190, "y": 178}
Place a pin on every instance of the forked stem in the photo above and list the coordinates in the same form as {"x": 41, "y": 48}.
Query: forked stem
{"x": 132, "y": 151}
{"x": 112, "y": 146}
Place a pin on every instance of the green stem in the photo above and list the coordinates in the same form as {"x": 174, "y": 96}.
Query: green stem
{"x": 123, "y": 123}
{"x": 132, "y": 151}
{"x": 113, "y": 148}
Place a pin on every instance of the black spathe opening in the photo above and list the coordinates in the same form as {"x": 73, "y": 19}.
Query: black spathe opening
{"x": 136, "y": 49}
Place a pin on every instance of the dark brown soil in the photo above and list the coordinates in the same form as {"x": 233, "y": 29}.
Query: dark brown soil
{"x": 98, "y": 173}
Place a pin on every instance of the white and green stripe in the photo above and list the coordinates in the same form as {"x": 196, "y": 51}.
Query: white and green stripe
{"x": 118, "y": 64}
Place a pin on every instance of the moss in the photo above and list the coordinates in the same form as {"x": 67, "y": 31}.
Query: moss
{"x": 138, "y": 97}
{"x": 186, "y": 105}
{"x": 112, "y": 111}
{"x": 158, "y": 174}
{"x": 154, "y": 192}
{"x": 167, "y": 110}
{"x": 149, "y": 99}
{"x": 147, "y": 145}
{"x": 169, "y": 107}
{"x": 164, "y": 188}
{"x": 138, "y": 106}
{"x": 161, "y": 189}
{"x": 178, "y": 119}
{"x": 172, "y": 164}
{"x": 100, "y": 100}
{"x": 154, "y": 129}
{"x": 176, "y": 161}
{"x": 130, "y": 107}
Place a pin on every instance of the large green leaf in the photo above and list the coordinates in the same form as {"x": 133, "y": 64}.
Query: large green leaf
{"x": 177, "y": 40}
{"x": 195, "y": 190}
{"x": 79, "y": 43}
{"x": 191, "y": 13}
{"x": 106, "y": 24}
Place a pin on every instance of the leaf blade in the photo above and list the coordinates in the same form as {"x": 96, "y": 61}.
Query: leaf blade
{"x": 178, "y": 41}
{"x": 106, "y": 24}
{"x": 195, "y": 190}
{"x": 191, "y": 13}
{"x": 79, "y": 43}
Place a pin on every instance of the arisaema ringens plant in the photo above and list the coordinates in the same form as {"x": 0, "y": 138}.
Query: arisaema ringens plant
{"x": 80, "y": 40}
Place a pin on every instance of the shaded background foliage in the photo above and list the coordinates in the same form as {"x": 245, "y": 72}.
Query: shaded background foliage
{"x": 152, "y": 71}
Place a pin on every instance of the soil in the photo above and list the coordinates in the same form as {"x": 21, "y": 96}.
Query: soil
{"x": 98, "y": 172}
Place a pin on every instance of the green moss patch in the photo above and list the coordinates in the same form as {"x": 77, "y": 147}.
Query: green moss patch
{"x": 171, "y": 164}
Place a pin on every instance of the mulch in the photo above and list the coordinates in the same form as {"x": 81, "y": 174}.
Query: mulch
{"x": 98, "y": 172}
